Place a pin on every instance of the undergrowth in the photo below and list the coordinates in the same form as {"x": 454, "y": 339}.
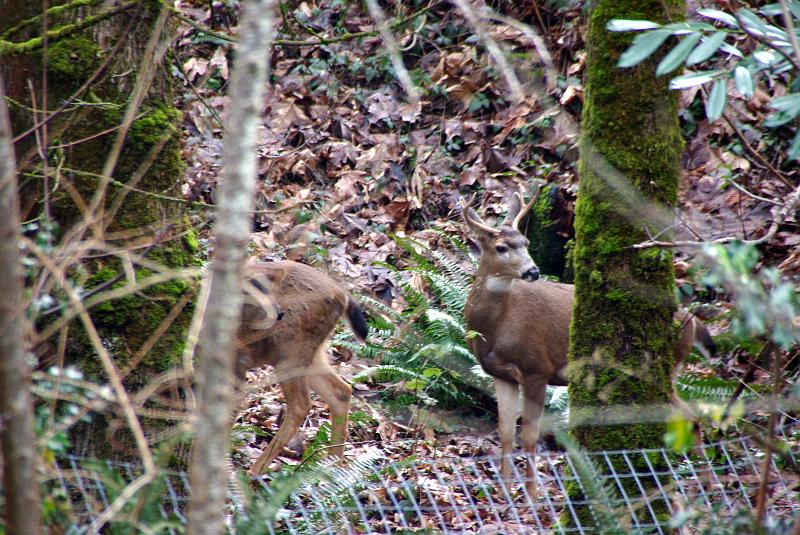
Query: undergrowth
{"x": 421, "y": 349}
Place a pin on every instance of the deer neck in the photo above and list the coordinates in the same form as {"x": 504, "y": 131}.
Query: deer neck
{"x": 489, "y": 295}
{"x": 492, "y": 282}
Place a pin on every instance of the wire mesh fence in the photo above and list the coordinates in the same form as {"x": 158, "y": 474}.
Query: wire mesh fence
{"x": 640, "y": 491}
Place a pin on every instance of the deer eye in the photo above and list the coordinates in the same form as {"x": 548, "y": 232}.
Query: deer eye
{"x": 501, "y": 248}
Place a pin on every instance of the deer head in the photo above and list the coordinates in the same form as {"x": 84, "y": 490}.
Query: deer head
{"x": 503, "y": 249}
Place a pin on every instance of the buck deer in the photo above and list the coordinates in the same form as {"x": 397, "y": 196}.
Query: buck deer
{"x": 523, "y": 325}
{"x": 309, "y": 304}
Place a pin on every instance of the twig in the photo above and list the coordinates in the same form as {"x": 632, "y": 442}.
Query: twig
{"x": 50, "y": 12}
{"x": 116, "y": 383}
{"x": 517, "y": 94}
{"x": 86, "y": 85}
{"x": 150, "y": 59}
{"x": 750, "y": 193}
{"x": 761, "y": 498}
{"x": 392, "y": 48}
{"x": 116, "y": 293}
{"x": 199, "y": 27}
{"x": 295, "y": 42}
{"x": 789, "y": 206}
{"x": 760, "y": 157}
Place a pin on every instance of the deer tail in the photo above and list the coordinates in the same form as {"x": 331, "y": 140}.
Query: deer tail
{"x": 355, "y": 315}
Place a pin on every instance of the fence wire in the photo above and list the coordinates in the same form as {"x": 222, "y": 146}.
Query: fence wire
{"x": 641, "y": 490}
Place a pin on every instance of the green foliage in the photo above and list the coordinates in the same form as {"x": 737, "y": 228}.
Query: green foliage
{"x": 333, "y": 486}
{"x": 699, "y": 43}
{"x": 766, "y": 304}
{"x": 422, "y": 348}
{"x": 599, "y": 494}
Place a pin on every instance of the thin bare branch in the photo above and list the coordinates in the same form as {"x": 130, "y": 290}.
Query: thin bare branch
{"x": 17, "y": 439}
{"x": 517, "y": 94}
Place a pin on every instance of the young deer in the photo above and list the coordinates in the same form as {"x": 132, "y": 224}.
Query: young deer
{"x": 524, "y": 329}
{"x": 309, "y": 304}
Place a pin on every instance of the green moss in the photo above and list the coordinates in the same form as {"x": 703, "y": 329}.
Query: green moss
{"x": 72, "y": 60}
{"x": 149, "y": 129}
{"x": 190, "y": 240}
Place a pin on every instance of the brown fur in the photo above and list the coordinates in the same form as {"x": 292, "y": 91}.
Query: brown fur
{"x": 311, "y": 303}
{"x": 524, "y": 329}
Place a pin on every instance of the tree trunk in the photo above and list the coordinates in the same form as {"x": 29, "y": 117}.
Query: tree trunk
{"x": 117, "y": 132}
{"x": 17, "y": 440}
{"x": 622, "y": 334}
{"x": 215, "y": 379}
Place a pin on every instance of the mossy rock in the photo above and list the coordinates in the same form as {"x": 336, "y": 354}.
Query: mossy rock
{"x": 549, "y": 229}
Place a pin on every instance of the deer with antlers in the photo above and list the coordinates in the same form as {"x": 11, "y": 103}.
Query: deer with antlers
{"x": 523, "y": 325}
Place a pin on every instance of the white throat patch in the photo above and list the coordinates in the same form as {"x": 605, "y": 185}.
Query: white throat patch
{"x": 498, "y": 284}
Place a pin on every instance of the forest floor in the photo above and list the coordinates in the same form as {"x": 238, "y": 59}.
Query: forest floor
{"x": 346, "y": 162}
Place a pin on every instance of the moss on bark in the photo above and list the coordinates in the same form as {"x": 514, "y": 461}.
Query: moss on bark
{"x": 547, "y": 229}
{"x": 622, "y": 332}
{"x": 143, "y": 223}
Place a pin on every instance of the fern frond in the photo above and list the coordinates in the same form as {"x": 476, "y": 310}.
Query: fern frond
{"x": 599, "y": 497}
{"x": 388, "y": 372}
{"x": 694, "y": 388}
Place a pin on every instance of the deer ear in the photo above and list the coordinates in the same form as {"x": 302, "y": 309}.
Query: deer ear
{"x": 513, "y": 209}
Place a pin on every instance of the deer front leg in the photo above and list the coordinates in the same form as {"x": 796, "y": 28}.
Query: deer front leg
{"x": 533, "y": 407}
{"x": 507, "y": 411}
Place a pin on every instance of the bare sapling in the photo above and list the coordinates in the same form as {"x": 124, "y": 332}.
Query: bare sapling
{"x": 292, "y": 338}
{"x": 523, "y": 329}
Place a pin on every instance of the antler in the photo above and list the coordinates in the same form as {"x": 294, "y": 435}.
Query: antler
{"x": 522, "y": 213}
{"x": 474, "y": 220}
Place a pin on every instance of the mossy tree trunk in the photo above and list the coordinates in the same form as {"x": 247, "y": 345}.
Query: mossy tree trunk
{"x": 100, "y": 69}
{"x": 622, "y": 333}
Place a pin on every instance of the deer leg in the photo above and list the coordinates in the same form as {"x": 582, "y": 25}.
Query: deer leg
{"x": 533, "y": 408}
{"x": 336, "y": 393}
{"x": 298, "y": 403}
{"x": 507, "y": 411}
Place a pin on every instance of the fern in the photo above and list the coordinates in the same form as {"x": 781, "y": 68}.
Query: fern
{"x": 427, "y": 338}
{"x": 713, "y": 389}
{"x": 328, "y": 484}
{"x": 599, "y": 497}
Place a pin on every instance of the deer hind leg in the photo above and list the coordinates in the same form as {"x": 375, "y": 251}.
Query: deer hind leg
{"x": 298, "y": 403}
{"x": 334, "y": 391}
{"x": 507, "y": 411}
{"x": 532, "y": 410}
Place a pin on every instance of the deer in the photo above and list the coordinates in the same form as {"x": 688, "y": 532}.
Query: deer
{"x": 523, "y": 329}
{"x": 289, "y": 313}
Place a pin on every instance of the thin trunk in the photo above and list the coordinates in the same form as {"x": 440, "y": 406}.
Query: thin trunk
{"x": 215, "y": 379}
{"x": 20, "y": 483}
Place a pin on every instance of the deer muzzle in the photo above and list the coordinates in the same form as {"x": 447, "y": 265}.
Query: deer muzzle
{"x": 531, "y": 274}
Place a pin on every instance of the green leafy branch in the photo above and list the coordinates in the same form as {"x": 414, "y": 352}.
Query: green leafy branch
{"x": 777, "y": 52}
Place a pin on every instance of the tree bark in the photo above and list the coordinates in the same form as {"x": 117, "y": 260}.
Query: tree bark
{"x": 103, "y": 68}
{"x": 17, "y": 439}
{"x": 215, "y": 378}
{"x": 622, "y": 333}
